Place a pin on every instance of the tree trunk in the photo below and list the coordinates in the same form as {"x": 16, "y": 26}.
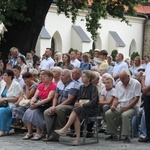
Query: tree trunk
{"x": 23, "y": 35}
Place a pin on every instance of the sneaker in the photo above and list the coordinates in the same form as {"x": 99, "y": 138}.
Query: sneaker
{"x": 112, "y": 138}
{"x": 126, "y": 140}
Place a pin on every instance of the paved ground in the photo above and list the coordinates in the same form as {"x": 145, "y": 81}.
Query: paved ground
{"x": 15, "y": 142}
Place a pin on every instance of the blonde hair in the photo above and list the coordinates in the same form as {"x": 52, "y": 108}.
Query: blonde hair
{"x": 59, "y": 56}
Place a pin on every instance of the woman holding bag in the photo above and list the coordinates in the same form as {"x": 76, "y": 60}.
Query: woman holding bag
{"x": 88, "y": 93}
{"x": 23, "y": 102}
{"x": 10, "y": 91}
{"x": 39, "y": 103}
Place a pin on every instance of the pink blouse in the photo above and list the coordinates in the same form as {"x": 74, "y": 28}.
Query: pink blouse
{"x": 43, "y": 93}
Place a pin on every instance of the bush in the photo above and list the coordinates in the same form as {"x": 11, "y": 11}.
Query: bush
{"x": 114, "y": 53}
{"x": 71, "y": 49}
{"x": 134, "y": 54}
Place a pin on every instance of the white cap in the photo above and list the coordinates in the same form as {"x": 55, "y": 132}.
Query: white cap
{"x": 96, "y": 50}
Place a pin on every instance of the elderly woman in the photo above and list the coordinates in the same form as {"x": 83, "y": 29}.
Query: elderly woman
{"x": 40, "y": 101}
{"x": 10, "y": 91}
{"x": 19, "y": 108}
{"x": 89, "y": 92}
{"x": 56, "y": 74}
{"x": 35, "y": 74}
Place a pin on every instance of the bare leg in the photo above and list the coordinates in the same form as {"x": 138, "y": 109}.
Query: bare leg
{"x": 71, "y": 120}
{"x": 29, "y": 127}
{"x": 77, "y": 130}
{"x": 38, "y": 131}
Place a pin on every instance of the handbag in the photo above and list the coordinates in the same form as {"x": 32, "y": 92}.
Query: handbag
{"x": 83, "y": 101}
{"x": 4, "y": 103}
{"x": 24, "y": 102}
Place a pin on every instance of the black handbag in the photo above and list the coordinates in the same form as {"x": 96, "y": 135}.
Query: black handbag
{"x": 4, "y": 103}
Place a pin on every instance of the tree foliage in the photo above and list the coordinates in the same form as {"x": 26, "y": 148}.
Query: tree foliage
{"x": 113, "y": 54}
{"x": 134, "y": 54}
{"x": 12, "y": 10}
{"x": 25, "y": 18}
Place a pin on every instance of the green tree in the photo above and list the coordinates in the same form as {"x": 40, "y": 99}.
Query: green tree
{"x": 134, "y": 54}
{"x": 25, "y": 18}
{"x": 113, "y": 54}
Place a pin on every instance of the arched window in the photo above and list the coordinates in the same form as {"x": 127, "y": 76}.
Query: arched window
{"x": 93, "y": 46}
{"x": 53, "y": 45}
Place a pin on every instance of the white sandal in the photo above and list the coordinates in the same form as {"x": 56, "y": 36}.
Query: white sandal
{"x": 37, "y": 137}
{"x": 27, "y": 136}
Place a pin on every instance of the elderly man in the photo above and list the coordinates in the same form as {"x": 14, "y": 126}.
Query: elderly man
{"x": 96, "y": 82}
{"x": 14, "y": 56}
{"x": 76, "y": 76}
{"x": 124, "y": 106}
{"x": 63, "y": 102}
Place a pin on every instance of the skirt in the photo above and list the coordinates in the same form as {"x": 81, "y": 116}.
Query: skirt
{"x": 5, "y": 118}
{"x": 36, "y": 117}
{"x": 18, "y": 112}
{"x": 83, "y": 112}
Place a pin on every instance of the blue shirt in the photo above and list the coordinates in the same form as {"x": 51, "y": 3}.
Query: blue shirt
{"x": 65, "y": 89}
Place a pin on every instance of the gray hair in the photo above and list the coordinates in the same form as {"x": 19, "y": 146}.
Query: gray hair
{"x": 34, "y": 71}
{"x": 107, "y": 75}
{"x": 14, "y": 49}
{"x": 78, "y": 70}
{"x": 58, "y": 69}
{"x": 126, "y": 71}
{"x": 97, "y": 75}
{"x": 68, "y": 72}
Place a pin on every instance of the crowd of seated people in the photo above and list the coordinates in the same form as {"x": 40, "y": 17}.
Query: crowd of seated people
{"x": 42, "y": 93}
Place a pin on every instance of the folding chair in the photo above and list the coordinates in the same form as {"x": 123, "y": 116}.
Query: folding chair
{"x": 85, "y": 124}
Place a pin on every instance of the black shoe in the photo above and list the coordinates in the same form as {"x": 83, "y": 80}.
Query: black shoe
{"x": 126, "y": 140}
{"x": 146, "y": 139}
{"x": 112, "y": 138}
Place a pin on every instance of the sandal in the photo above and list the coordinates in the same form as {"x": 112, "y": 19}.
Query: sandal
{"x": 27, "y": 136}
{"x": 37, "y": 137}
{"x": 75, "y": 143}
{"x": 2, "y": 133}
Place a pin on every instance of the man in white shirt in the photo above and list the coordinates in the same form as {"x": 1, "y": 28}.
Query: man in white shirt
{"x": 119, "y": 65}
{"x": 146, "y": 98}
{"x": 48, "y": 62}
{"x": 124, "y": 106}
{"x": 74, "y": 61}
